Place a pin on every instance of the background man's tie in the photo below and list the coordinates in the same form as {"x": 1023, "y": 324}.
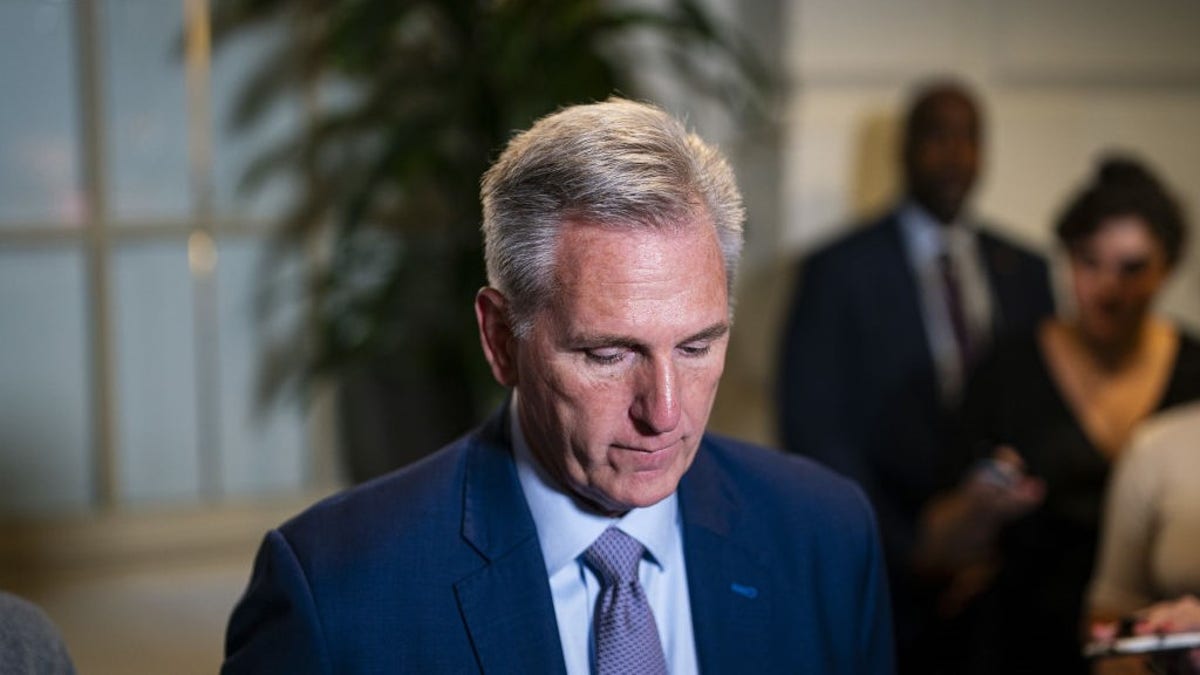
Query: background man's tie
{"x": 626, "y": 635}
{"x": 958, "y": 314}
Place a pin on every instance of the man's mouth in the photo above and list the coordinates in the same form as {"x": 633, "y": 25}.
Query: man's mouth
{"x": 648, "y": 448}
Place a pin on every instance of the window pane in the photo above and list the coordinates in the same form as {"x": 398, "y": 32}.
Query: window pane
{"x": 261, "y": 450}
{"x": 39, "y": 172}
{"x": 156, "y": 374}
{"x": 234, "y": 149}
{"x": 44, "y": 381}
{"x": 146, "y": 96}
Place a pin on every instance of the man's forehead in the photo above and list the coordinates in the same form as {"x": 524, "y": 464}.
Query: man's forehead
{"x": 946, "y": 108}
{"x": 613, "y": 275}
{"x": 633, "y": 252}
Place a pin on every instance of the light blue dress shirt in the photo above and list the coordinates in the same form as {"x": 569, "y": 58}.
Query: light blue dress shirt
{"x": 565, "y": 531}
{"x": 925, "y": 242}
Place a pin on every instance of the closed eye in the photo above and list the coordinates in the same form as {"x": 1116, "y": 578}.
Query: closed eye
{"x": 700, "y": 344}
{"x": 605, "y": 356}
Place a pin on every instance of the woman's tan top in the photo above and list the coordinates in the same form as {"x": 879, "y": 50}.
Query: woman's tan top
{"x": 1150, "y": 546}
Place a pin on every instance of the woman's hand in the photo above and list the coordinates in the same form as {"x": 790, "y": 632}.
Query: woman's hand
{"x": 1173, "y": 616}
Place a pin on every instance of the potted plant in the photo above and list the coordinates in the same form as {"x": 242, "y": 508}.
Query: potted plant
{"x": 430, "y": 91}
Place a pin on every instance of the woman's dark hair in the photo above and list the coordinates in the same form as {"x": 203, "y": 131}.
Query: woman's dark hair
{"x": 1123, "y": 186}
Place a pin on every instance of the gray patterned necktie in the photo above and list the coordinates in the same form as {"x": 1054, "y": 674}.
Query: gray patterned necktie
{"x": 626, "y": 635}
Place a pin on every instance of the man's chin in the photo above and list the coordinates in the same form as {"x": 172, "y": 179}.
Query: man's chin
{"x": 618, "y": 503}
{"x": 945, "y": 206}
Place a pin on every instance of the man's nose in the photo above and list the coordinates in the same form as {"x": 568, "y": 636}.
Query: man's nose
{"x": 656, "y": 399}
{"x": 961, "y": 152}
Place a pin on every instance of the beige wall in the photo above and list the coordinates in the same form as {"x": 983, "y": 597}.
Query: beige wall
{"x": 1061, "y": 81}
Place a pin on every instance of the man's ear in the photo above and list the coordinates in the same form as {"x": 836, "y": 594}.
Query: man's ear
{"x": 496, "y": 335}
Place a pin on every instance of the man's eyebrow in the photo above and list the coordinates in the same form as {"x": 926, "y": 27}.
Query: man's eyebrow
{"x": 607, "y": 339}
{"x": 711, "y": 333}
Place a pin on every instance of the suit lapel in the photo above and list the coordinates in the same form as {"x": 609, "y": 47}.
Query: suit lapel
{"x": 893, "y": 277}
{"x": 728, "y": 584}
{"x": 506, "y": 604}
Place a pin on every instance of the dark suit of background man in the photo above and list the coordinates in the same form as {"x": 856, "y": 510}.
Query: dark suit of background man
{"x": 612, "y": 237}
{"x": 885, "y": 325}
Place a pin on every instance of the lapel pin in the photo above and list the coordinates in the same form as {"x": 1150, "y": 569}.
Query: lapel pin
{"x": 744, "y": 591}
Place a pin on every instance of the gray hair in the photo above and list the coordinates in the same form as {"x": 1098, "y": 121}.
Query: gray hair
{"x": 617, "y": 163}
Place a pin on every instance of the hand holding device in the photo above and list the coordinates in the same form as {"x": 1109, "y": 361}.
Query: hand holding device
{"x": 1170, "y": 631}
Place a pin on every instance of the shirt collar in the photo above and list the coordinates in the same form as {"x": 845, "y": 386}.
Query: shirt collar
{"x": 927, "y": 239}
{"x": 565, "y": 530}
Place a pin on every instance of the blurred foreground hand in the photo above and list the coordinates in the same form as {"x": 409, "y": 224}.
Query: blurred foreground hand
{"x": 959, "y": 529}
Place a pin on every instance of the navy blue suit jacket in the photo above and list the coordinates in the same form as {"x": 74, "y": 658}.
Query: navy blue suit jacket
{"x": 858, "y": 389}
{"x": 437, "y": 569}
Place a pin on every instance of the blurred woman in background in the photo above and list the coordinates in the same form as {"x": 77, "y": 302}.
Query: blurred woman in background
{"x": 1061, "y": 405}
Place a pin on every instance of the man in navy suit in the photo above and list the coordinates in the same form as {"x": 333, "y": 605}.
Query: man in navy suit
{"x": 885, "y": 325}
{"x": 612, "y": 238}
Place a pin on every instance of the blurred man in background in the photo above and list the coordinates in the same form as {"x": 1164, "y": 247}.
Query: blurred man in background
{"x": 884, "y": 328}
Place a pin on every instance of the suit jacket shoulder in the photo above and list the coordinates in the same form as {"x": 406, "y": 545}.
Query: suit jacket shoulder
{"x": 349, "y": 520}
{"x": 864, "y": 244}
{"x": 1006, "y": 257}
{"x": 1020, "y": 281}
{"x": 989, "y": 235}
{"x": 429, "y": 569}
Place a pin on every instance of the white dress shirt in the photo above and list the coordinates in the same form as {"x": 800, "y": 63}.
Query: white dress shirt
{"x": 565, "y": 531}
{"x": 926, "y": 241}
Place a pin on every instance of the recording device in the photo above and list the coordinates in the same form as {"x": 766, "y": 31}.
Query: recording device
{"x": 996, "y": 472}
{"x": 1142, "y": 644}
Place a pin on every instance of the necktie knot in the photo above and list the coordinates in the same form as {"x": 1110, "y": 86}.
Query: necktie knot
{"x": 614, "y": 556}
